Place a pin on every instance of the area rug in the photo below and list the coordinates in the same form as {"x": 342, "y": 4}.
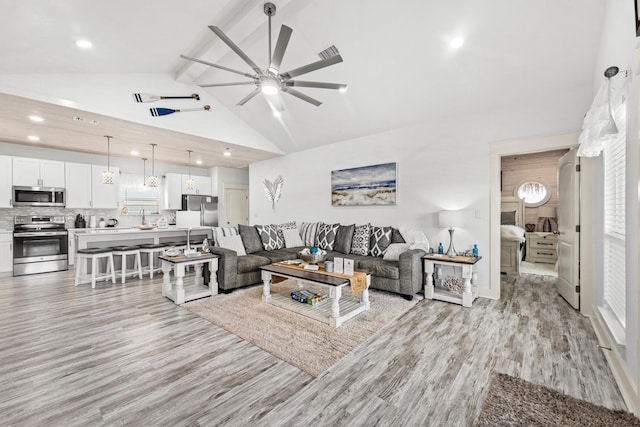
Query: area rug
{"x": 512, "y": 401}
{"x": 306, "y": 343}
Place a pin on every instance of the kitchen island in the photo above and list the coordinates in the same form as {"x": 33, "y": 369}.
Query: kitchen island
{"x": 82, "y": 238}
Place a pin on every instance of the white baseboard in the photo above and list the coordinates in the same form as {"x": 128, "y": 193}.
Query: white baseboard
{"x": 616, "y": 362}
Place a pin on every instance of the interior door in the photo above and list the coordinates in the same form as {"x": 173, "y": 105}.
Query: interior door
{"x": 568, "y": 236}
{"x": 236, "y": 205}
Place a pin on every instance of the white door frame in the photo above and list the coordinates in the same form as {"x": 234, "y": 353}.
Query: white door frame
{"x": 497, "y": 151}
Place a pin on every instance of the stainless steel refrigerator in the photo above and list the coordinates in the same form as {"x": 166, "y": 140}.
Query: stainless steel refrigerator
{"x": 206, "y": 205}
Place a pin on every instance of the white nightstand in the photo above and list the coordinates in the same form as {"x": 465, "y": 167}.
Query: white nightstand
{"x": 541, "y": 247}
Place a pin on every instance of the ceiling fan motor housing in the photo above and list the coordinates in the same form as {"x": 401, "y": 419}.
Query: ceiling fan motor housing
{"x": 269, "y": 9}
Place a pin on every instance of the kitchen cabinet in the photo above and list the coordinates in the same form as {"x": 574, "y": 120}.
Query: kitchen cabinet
{"x": 38, "y": 173}
{"x": 6, "y": 252}
{"x": 201, "y": 185}
{"x": 104, "y": 196}
{"x": 78, "y": 185}
{"x": 6, "y": 179}
{"x": 172, "y": 194}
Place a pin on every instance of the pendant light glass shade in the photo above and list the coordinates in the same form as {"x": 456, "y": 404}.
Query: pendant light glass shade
{"x": 189, "y": 182}
{"x": 108, "y": 176}
{"x": 152, "y": 180}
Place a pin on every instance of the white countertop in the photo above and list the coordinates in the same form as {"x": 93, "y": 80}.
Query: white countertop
{"x": 120, "y": 230}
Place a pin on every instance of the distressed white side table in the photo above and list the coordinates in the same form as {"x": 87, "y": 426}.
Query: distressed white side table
{"x": 469, "y": 275}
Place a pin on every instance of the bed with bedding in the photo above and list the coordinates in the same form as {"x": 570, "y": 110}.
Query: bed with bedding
{"x": 512, "y": 239}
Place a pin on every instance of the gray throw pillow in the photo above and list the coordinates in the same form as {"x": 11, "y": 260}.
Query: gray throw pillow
{"x": 360, "y": 241}
{"x": 271, "y": 239}
{"x": 396, "y": 237}
{"x": 327, "y": 236}
{"x": 344, "y": 238}
{"x": 250, "y": 238}
{"x": 380, "y": 240}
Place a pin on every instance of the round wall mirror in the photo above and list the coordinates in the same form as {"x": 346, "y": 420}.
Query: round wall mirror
{"x": 534, "y": 193}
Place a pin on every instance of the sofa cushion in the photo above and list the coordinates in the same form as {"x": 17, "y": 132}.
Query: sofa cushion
{"x": 270, "y": 237}
{"x": 379, "y": 241}
{"x": 396, "y": 237}
{"x": 278, "y": 255}
{"x": 379, "y": 267}
{"x": 344, "y": 238}
{"x": 232, "y": 242}
{"x": 327, "y": 236}
{"x": 250, "y": 238}
{"x": 309, "y": 232}
{"x": 360, "y": 241}
{"x": 286, "y": 226}
{"x": 251, "y": 262}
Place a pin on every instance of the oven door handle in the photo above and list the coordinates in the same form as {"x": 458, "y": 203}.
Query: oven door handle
{"x": 41, "y": 233}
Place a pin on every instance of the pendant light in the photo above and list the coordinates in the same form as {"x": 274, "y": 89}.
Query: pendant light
{"x": 189, "y": 181}
{"x": 108, "y": 177}
{"x": 144, "y": 171}
{"x": 152, "y": 180}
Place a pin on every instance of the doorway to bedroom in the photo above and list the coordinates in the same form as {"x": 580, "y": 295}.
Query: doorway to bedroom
{"x": 529, "y": 227}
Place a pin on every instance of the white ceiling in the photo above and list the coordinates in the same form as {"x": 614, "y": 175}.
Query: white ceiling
{"x": 397, "y": 60}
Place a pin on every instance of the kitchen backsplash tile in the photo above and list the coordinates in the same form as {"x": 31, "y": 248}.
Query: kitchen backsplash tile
{"x": 7, "y": 216}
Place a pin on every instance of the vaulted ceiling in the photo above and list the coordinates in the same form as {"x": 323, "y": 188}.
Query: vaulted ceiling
{"x": 398, "y": 63}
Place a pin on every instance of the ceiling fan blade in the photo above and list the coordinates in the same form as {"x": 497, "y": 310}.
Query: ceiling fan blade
{"x": 281, "y": 47}
{"x": 275, "y": 102}
{"x": 302, "y": 96}
{"x": 248, "y": 97}
{"x": 312, "y": 67}
{"x": 320, "y": 85}
{"x": 251, "y": 76}
{"x": 235, "y": 48}
{"x": 228, "y": 84}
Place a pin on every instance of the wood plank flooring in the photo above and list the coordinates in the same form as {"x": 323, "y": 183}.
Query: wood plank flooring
{"x": 124, "y": 355}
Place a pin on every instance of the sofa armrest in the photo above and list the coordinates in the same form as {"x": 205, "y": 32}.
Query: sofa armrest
{"x": 227, "y": 267}
{"x": 411, "y": 276}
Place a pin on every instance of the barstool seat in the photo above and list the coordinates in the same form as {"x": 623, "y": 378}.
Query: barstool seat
{"x": 94, "y": 254}
{"x": 123, "y": 251}
{"x": 153, "y": 250}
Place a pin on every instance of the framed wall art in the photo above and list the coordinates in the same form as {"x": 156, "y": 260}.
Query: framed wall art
{"x": 364, "y": 186}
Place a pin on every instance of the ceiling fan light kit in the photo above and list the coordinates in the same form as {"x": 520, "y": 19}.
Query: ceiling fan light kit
{"x": 271, "y": 81}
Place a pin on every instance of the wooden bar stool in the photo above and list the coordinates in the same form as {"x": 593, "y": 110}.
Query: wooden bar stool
{"x": 123, "y": 251}
{"x": 153, "y": 251}
{"x": 83, "y": 256}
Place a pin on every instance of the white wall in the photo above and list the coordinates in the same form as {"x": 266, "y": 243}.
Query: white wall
{"x": 441, "y": 164}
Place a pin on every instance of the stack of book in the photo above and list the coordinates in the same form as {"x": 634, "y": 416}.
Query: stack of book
{"x": 306, "y": 297}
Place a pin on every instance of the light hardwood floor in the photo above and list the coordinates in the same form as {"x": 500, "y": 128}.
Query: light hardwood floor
{"x": 124, "y": 355}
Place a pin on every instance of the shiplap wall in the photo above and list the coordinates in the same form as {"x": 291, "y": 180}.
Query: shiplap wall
{"x": 536, "y": 166}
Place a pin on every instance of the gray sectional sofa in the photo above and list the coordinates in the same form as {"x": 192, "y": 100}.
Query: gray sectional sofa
{"x": 404, "y": 276}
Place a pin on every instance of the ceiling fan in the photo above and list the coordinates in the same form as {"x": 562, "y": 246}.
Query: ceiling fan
{"x": 271, "y": 81}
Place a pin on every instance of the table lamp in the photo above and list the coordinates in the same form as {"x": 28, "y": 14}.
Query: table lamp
{"x": 450, "y": 220}
{"x": 547, "y": 212}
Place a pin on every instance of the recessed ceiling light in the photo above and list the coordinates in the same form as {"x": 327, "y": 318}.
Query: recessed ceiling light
{"x": 343, "y": 89}
{"x": 84, "y": 44}
{"x": 227, "y": 152}
{"x": 456, "y": 42}
{"x": 198, "y": 162}
{"x": 134, "y": 153}
{"x": 36, "y": 118}
{"x": 33, "y": 138}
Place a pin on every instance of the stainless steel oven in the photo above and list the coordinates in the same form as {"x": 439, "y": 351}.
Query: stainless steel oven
{"x": 40, "y": 245}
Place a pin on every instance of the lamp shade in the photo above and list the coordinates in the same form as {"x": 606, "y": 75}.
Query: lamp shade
{"x": 450, "y": 219}
{"x": 547, "y": 212}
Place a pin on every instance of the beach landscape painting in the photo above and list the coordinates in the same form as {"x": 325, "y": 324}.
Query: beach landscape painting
{"x": 364, "y": 186}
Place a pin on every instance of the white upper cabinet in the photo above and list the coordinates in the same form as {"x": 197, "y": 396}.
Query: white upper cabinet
{"x": 172, "y": 195}
{"x": 38, "y": 173}
{"x": 104, "y": 196}
{"x": 78, "y": 185}
{"x": 201, "y": 185}
{"x": 5, "y": 181}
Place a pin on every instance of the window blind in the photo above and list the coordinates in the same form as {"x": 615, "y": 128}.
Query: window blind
{"x": 614, "y": 156}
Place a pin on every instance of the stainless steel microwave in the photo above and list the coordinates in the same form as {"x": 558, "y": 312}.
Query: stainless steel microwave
{"x": 38, "y": 196}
